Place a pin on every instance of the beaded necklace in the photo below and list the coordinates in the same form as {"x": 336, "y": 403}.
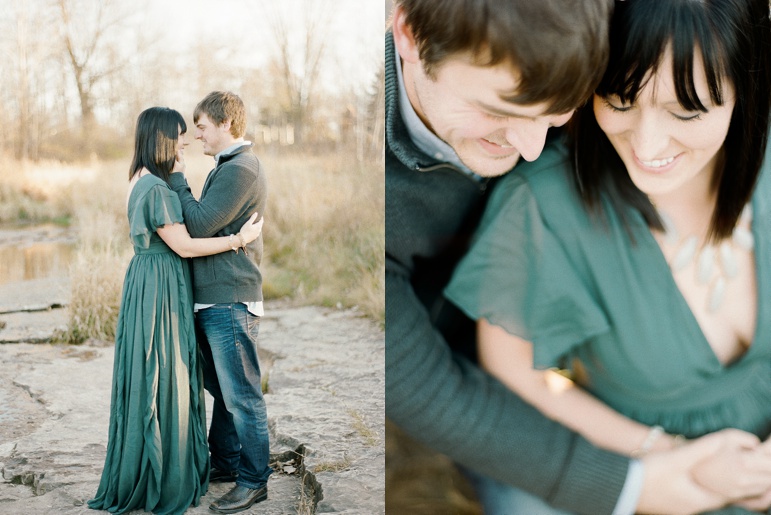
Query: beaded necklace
{"x": 715, "y": 264}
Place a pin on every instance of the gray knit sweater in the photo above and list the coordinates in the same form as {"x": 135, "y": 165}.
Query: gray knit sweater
{"x": 439, "y": 396}
{"x": 233, "y": 191}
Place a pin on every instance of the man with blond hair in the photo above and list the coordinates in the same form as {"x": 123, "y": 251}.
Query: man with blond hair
{"x": 228, "y": 300}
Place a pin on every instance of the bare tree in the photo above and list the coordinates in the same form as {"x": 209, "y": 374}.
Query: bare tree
{"x": 96, "y": 66}
{"x": 23, "y": 93}
{"x": 27, "y": 57}
{"x": 87, "y": 33}
{"x": 300, "y": 51}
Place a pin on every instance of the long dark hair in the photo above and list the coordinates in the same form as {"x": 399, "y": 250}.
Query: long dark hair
{"x": 733, "y": 38}
{"x": 155, "y": 143}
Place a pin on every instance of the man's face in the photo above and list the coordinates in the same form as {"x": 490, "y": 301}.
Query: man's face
{"x": 215, "y": 138}
{"x": 462, "y": 105}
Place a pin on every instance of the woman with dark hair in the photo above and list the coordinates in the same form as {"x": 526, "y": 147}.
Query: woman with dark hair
{"x": 639, "y": 262}
{"x": 157, "y": 455}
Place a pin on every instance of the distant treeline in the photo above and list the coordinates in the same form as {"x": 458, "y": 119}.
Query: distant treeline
{"x": 74, "y": 89}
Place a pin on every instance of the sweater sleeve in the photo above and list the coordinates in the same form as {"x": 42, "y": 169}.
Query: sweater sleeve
{"x": 454, "y": 407}
{"x": 230, "y": 190}
{"x": 447, "y": 402}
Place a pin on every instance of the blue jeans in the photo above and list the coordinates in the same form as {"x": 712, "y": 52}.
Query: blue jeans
{"x": 499, "y": 499}
{"x": 238, "y": 437}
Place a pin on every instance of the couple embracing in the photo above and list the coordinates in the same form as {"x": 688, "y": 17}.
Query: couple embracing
{"x": 629, "y": 253}
{"x": 177, "y": 334}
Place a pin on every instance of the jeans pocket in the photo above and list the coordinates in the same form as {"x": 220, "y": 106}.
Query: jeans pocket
{"x": 253, "y": 324}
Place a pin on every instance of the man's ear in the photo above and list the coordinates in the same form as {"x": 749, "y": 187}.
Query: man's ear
{"x": 225, "y": 125}
{"x": 403, "y": 37}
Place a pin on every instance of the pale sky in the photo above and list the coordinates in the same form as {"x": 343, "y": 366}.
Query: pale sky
{"x": 355, "y": 42}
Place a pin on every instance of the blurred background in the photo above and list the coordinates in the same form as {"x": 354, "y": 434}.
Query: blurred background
{"x": 309, "y": 71}
{"x": 75, "y": 75}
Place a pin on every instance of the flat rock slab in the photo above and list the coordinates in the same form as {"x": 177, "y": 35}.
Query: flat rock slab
{"x": 326, "y": 391}
{"x": 34, "y": 295}
{"x": 32, "y": 327}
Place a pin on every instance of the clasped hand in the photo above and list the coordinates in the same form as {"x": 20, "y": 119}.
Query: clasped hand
{"x": 740, "y": 471}
{"x": 718, "y": 469}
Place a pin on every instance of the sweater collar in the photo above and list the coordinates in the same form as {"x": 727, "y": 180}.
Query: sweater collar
{"x": 406, "y": 135}
{"x": 423, "y": 138}
{"x": 235, "y": 148}
{"x": 397, "y": 137}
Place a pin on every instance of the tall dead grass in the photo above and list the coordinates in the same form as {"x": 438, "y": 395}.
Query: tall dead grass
{"x": 25, "y": 198}
{"x": 91, "y": 196}
{"x": 324, "y": 232}
{"x": 102, "y": 255}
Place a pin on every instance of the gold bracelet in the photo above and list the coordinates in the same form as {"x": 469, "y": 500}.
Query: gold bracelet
{"x": 243, "y": 243}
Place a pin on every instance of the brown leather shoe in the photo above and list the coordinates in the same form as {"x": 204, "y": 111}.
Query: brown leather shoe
{"x": 240, "y": 498}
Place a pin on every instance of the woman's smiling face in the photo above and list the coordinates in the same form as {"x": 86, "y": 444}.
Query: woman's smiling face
{"x": 664, "y": 146}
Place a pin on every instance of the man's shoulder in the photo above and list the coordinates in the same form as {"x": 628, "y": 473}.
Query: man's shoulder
{"x": 243, "y": 155}
{"x": 245, "y": 162}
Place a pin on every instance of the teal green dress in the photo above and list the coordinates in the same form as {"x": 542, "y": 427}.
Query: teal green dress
{"x": 590, "y": 297}
{"x": 157, "y": 455}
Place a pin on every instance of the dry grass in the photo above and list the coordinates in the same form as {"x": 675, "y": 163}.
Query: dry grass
{"x": 369, "y": 435}
{"x": 96, "y": 289}
{"x": 333, "y": 466}
{"x": 324, "y": 231}
{"x": 27, "y": 197}
{"x": 103, "y": 253}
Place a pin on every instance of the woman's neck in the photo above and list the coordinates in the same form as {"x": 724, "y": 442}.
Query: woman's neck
{"x": 690, "y": 207}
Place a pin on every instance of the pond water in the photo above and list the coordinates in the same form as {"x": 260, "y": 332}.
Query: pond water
{"x": 35, "y": 252}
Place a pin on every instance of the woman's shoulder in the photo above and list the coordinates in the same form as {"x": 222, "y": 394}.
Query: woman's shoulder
{"x": 152, "y": 204}
{"x": 150, "y": 189}
{"x": 548, "y": 182}
{"x": 149, "y": 182}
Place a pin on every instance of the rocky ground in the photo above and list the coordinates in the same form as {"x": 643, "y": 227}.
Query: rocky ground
{"x": 325, "y": 407}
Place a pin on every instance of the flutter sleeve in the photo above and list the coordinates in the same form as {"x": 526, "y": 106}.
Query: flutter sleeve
{"x": 518, "y": 276}
{"x": 158, "y": 207}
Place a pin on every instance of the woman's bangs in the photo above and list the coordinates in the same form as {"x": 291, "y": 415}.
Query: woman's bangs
{"x": 639, "y": 44}
{"x": 636, "y": 48}
{"x": 712, "y": 57}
